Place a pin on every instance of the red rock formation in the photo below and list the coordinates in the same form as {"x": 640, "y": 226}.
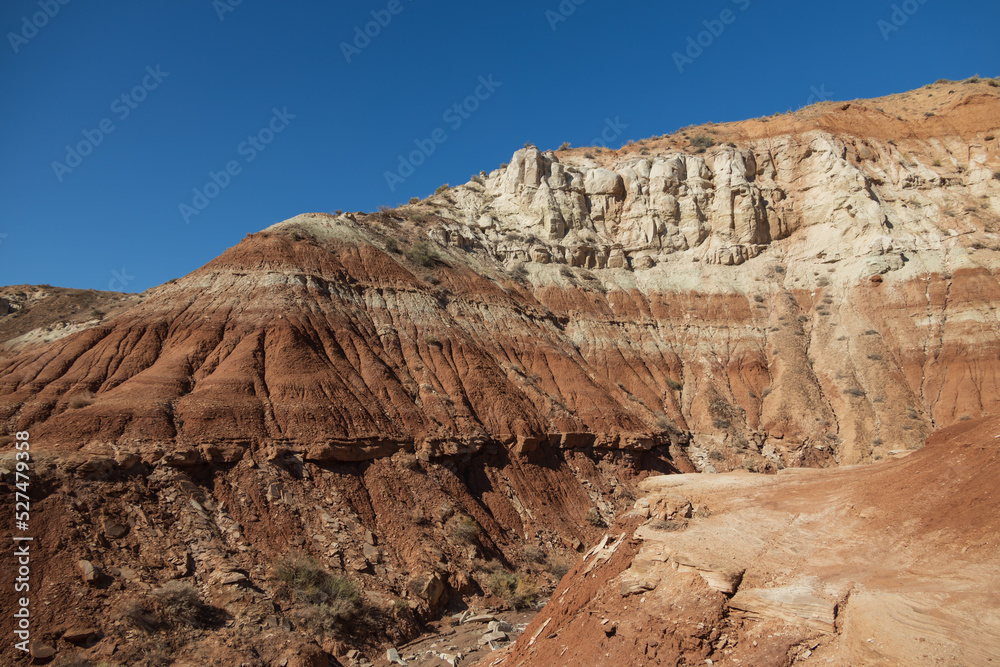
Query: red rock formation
{"x": 526, "y": 348}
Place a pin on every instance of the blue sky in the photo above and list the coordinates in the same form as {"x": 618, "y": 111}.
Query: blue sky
{"x": 153, "y": 98}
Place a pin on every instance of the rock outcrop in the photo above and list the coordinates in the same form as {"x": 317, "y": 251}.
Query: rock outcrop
{"x": 893, "y": 564}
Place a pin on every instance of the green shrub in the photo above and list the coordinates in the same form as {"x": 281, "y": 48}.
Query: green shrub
{"x": 442, "y": 188}
{"x": 594, "y": 518}
{"x": 422, "y": 254}
{"x": 392, "y": 246}
{"x": 855, "y": 391}
{"x": 703, "y": 141}
{"x": 674, "y": 384}
{"x": 517, "y": 590}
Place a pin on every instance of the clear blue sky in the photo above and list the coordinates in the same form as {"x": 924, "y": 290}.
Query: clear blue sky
{"x": 218, "y": 81}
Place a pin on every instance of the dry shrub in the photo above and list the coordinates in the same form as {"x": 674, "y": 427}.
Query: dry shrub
{"x": 594, "y": 518}
{"x": 331, "y": 599}
{"x": 179, "y": 603}
{"x": 558, "y": 566}
{"x": 464, "y": 530}
{"x": 534, "y": 554}
{"x": 80, "y": 400}
{"x": 138, "y": 614}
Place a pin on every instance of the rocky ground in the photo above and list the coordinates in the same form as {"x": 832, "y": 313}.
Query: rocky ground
{"x": 462, "y": 639}
{"x": 349, "y": 426}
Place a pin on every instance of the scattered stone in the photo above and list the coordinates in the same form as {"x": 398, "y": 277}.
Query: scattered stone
{"x": 273, "y": 492}
{"x": 496, "y": 636}
{"x": 42, "y": 651}
{"x": 500, "y": 626}
{"x": 81, "y": 635}
{"x": 233, "y": 578}
{"x": 88, "y": 572}
{"x": 392, "y": 655}
{"x": 482, "y": 618}
{"x": 114, "y": 529}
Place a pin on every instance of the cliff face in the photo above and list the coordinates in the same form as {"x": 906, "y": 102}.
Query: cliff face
{"x": 811, "y": 289}
{"x": 799, "y": 295}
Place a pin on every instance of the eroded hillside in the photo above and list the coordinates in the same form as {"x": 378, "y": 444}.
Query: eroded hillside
{"x": 486, "y": 376}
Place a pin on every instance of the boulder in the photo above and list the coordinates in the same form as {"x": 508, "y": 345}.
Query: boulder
{"x": 604, "y": 182}
{"x": 495, "y": 636}
{"x": 42, "y": 651}
{"x": 82, "y": 635}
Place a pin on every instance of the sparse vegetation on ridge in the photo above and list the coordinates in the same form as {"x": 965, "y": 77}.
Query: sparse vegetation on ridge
{"x": 422, "y": 254}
